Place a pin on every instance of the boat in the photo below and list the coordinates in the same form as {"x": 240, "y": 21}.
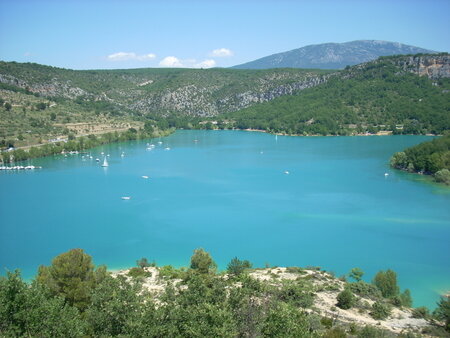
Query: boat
{"x": 144, "y": 176}
{"x": 386, "y": 174}
{"x": 105, "y": 163}
{"x": 286, "y": 172}
{"x": 126, "y": 198}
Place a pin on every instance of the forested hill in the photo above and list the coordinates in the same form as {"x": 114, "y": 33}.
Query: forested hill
{"x": 40, "y": 102}
{"x": 332, "y": 55}
{"x": 202, "y": 92}
{"x": 432, "y": 157}
{"x": 402, "y": 95}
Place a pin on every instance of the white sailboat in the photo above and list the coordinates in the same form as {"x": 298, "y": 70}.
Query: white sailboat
{"x": 105, "y": 163}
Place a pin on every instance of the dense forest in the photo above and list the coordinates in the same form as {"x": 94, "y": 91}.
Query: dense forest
{"x": 72, "y": 298}
{"x": 377, "y": 96}
{"x": 432, "y": 157}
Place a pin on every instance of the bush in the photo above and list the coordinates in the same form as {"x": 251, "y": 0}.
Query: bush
{"x": 296, "y": 294}
{"x": 170, "y": 272}
{"x": 237, "y": 267}
{"x": 371, "y": 332}
{"x": 420, "y": 312}
{"x": 202, "y": 262}
{"x": 364, "y": 289}
{"x": 327, "y": 322}
{"x": 144, "y": 263}
{"x": 443, "y": 176}
{"x": 345, "y": 299}
{"x": 443, "y": 312}
{"x": 285, "y": 321}
{"x": 386, "y": 282}
{"x": 406, "y": 298}
{"x": 138, "y": 272}
{"x": 380, "y": 311}
{"x": 295, "y": 269}
{"x": 356, "y": 274}
{"x": 335, "y": 332}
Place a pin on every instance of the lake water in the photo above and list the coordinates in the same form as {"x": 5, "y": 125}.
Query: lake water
{"x": 228, "y": 193}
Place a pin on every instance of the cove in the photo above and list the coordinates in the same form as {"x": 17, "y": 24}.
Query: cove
{"x": 228, "y": 192}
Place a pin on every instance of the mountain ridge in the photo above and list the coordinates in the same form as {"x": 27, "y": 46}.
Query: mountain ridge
{"x": 333, "y": 55}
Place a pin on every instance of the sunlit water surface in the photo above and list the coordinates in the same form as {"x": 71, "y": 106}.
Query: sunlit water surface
{"x": 229, "y": 192}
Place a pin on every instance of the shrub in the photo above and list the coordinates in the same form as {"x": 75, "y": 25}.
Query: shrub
{"x": 144, "y": 263}
{"x": 138, "y": 272}
{"x": 371, "y": 332}
{"x": 420, "y": 312}
{"x": 396, "y": 301}
{"x": 335, "y": 332}
{"x": 356, "y": 274}
{"x": 386, "y": 282}
{"x": 202, "y": 262}
{"x": 296, "y": 294}
{"x": 345, "y": 299}
{"x": 364, "y": 289}
{"x": 295, "y": 269}
{"x": 170, "y": 272}
{"x": 406, "y": 298}
{"x": 284, "y": 320}
{"x": 380, "y": 311}
{"x": 327, "y": 322}
{"x": 443, "y": 311}
{"x": 237, "y": 267}
{"x": 443, "y": 176}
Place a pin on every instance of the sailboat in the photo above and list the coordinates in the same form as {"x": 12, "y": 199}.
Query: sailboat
{"x": 105, "y": 163}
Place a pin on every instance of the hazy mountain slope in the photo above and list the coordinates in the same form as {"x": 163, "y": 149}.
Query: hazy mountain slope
{"x": 332, "y": 55}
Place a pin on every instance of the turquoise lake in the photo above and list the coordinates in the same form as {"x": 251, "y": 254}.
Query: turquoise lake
{"x": 227, "y": 191}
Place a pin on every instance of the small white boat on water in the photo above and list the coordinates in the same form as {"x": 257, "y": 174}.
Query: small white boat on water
{"x": 286, "y": 172}
{"x": 97, "y": 159}
{"x": 105, "y": 163}
{"x": 386, "y": 174}
{"x": 167, "y": 148}
{"x": 144, "y": 176}
{"x": 126, "y": 197}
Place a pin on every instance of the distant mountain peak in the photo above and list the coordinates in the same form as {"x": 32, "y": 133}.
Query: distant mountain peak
{"x": 333, "y": 55}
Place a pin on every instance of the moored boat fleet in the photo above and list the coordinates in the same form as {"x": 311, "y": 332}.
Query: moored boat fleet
{"x": 20, "y": 167}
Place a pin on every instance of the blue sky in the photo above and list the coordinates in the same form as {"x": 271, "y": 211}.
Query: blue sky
{"x": 132, "y": 34}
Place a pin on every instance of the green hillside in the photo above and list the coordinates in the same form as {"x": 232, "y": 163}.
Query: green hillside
{"x": 431, "y": 157}
{"x": 384, "y": 95}
{"x": 41, "y": 102}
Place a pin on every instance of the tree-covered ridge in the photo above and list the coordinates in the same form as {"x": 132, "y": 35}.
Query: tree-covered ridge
{"x": 39, "y": 102}
{"x": 384, "y": 95}
{"x": 72, "y": 298}
{"x": 432, "y": 157}
{"x": 151, "y": 90}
